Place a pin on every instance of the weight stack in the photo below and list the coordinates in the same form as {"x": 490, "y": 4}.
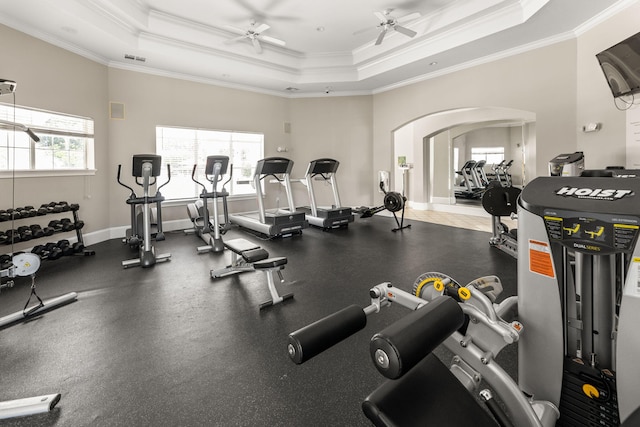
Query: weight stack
{"x": 577, "y": 409}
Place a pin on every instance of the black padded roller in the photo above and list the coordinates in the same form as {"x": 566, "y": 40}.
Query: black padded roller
{"x": 400, "y": 346}
{"x": 313, "y": 339}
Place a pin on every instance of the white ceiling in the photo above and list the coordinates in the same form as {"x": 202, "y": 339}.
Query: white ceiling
{"x": 188, "y": 38}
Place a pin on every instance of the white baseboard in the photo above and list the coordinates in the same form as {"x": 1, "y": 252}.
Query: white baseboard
{"x": 120, "y": 232}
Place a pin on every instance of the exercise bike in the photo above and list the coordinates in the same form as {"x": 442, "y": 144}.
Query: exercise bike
{"x": 393, "y": 202}
{"x": 468, "y": 322}
{"x": 146, "y": 168}
{"x": 211, "y": 231}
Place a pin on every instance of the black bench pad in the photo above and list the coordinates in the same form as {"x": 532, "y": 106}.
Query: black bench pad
{"x": 427, "y": 395}
{"x": 270, "y": 263}
{"x": 240, "y": 245}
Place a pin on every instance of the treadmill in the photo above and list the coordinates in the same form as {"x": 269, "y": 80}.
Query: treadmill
{"x": 281, "y": 222}
{"x": 334, "y": 216}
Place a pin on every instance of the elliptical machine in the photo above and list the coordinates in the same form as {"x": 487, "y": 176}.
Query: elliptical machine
{"x": 146, "y": 168}
{"x": 203, "y": 227}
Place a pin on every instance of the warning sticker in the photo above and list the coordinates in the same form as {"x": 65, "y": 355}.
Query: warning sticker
{"x": 540, "y": 258}
{"x": 636, "y": 261}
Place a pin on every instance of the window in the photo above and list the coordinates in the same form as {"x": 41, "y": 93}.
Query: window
{"x": 66, "y": 142}
{"x": 184, "y": 147}
{"x": 492, "y": 155}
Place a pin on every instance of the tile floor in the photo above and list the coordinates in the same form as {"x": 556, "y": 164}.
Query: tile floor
{"x": 479, "y": 221}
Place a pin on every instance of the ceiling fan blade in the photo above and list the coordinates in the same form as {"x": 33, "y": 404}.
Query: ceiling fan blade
{"x": 256, "y": 45}
{"x": 381, "y": 16}
{"x": 235, "y": 29}
{"x": 405, "y": 31}
{"x": 409, "y": 17}
{"x": 273, "y": 40}
{"x": 381, "y": 36}
{"x": 260, "y": 28}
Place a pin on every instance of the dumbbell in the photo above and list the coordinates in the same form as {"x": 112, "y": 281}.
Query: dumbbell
{"x": 68, "y": 207}
{"x": 4, "y": 216}
{"x": 62, "y": 225}
{"x": 56, "y": 225}
{"x": 42, "y": 211}
{"x": 40, "y": 250}
{"x": 3, "y": 238}
{"x": 28, "y": 211}
{"x": 67, "y": 224}
{"x": 48, "y": 231}
{"x": 25, "y": 233}
{"x": 5, "y": 261}
{"x": 65, "y": 247}
{"x": 13, "y": 213}
{"x": 53, "y": 207}
{"x": 79, "y": 224}
{"x": 13, "y": 236}
{"x": 53, "y": 251}
{"x": 36, "y": 231}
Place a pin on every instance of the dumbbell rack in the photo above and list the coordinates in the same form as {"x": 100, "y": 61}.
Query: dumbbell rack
{"x": 52, "y": 250}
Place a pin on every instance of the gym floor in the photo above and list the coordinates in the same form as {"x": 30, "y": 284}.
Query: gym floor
{"x": 170, "y": 346}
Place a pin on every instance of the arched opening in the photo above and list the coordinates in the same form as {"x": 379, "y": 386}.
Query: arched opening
{"x": 429, "y": 150}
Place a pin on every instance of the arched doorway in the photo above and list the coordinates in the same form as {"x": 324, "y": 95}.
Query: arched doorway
{"x": 426, "y": 145}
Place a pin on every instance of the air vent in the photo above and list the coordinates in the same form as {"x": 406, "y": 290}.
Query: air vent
{"x": 116, "y": 110}
{"x": 134, "y": 58}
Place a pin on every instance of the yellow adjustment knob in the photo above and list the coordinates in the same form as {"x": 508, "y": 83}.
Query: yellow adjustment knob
{"x": 464, "y": 294}
{"x": 590, "y": 391}
{"x": 438, "y": 285}
{"x": 418, "y": 291}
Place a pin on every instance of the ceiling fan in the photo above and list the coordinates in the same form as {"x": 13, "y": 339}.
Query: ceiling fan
{"x": 254, "y": 34}
{"x": 388, "y": 22}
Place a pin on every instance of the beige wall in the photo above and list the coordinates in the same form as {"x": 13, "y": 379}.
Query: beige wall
{"x": 594, "y": 99}
{"x": 339, "y": 128}
{"x": 524, "y": 82}
{"x": 561, "y": 84}
{"x": 54, "y": 79}
{"x": 152, "y": 100}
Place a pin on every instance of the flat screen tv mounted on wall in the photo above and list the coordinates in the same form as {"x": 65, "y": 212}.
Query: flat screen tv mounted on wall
{"x": 621, "y": 66}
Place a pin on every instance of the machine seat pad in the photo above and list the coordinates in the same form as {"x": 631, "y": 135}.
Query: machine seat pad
{"x": 255, "y": 255}
{"x": 240, "y": 245}
{"x": 427, "y": 395}
{"x": 270, "y": 263}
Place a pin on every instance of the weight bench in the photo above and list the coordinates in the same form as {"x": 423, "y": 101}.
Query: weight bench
{"x": 247, "y": 256}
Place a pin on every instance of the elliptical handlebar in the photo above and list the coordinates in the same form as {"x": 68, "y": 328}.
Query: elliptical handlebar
{"x": 193, "y": 178}
{"x": 230, "y": 176}
{"x": 133, "y": 193}
{"x": 168, "y": 179}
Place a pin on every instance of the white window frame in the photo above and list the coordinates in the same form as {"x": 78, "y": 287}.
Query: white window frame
{"x": 201, "y": 139}
{"x": 488, "y": 154}
{"x": 45, "y": 124}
